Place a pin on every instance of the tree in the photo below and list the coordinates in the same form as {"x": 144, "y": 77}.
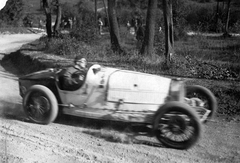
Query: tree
{"x": 41, "y": 4}
{"x": 47, "y": 9}
{"x": 147, "y": 46}
{"x": 13, "y": 12}
{"x": 169, "y": 39}
{"x": 95, "y": 11}
{"x": 58, "y": 19}
{"x": 105, "y": 8}
{"x": 114, "y": 30}
{"x": 217, "y": 17}
{"x": 226, "y": 32}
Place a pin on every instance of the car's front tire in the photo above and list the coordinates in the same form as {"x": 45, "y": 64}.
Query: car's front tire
{"x": 40, "y": 104}
{"x": 176, "y": 125}
{"x": 204, "y": 94}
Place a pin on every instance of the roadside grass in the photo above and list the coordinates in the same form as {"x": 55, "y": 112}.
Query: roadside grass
{"x": 217, "y": 50}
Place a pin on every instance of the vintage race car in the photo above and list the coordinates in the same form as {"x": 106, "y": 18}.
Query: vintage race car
{"x": 174, "y": 112}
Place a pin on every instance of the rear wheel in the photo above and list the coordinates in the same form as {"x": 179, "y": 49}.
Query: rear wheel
{"x": 176, "y": 125}
{"x": 40, "y": 105}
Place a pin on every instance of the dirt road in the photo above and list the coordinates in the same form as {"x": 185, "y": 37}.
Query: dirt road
{"x": 72, "y": 139}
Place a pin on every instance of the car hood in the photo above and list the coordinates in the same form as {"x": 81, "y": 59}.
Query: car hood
{"x": 43, "y": 74}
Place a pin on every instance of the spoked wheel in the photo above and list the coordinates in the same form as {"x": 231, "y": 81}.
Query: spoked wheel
{"x": 176, "y": 125}
{"x": 40, "y": 105}
{"x": 204, "y": 99}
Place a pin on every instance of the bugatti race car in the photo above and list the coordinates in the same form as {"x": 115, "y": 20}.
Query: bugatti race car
{"x": 175, "y": 112}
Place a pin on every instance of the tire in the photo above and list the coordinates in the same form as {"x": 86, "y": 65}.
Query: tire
{"x": 177, "y": 118}
{"x": 206, "y": 93}
{"x": 40, "y": 105}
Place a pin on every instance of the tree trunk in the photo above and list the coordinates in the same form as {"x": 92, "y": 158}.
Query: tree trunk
{"x": 226, "y": 32}
{"x": 217, "y": 17}
{"x": 48, "y": 18}
{"x": 41, "y": 4}
{"x": 96, "y": 14}
{"x": 114, "y": 30}
{"x": 58, "y": 19}
{"x": 148, "y": 42}
{"x": 169, "y": 38}
{"x": 105, "y": 7}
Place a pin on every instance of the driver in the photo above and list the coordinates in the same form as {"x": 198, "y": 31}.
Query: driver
{"x": 73, "y": 77}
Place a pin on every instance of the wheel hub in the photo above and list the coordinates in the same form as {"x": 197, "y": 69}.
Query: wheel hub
{"x": 40, "y": 104}
{"x": 177, "y": 125}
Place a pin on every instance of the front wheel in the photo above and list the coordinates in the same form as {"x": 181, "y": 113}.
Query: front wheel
{"x": 40, "y": 105}
{"x": 176, "y": 125}
{"x": 207, "y": 100}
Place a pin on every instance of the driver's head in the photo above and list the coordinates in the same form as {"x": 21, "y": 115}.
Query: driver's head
{"x": 81, "y": 62}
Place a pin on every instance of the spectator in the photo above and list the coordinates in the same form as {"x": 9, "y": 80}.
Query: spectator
{"x": 100, "y": 26}
{"x": 128, "y": 25}
{"x": 140, "y": 33}
{"x": 70, "y": 23}
{"x": 160, "y": 29}
{"x": 105, "y": 22}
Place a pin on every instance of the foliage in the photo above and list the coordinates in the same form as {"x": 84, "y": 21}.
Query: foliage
{"x": 68, "y": 10}
{"x": 235, "y": 27}
{"x": 65, "y": 46}
{"x": 229, "y": 100}
{"x": 85, "y": 27}
{"x": 3, "y": 24}
{"x": 28, "y": 20}
{"x": 12, "y": 13}
{"x": 85, "y": 5}
{"x": 180, "y": 12}
{"x": 141, "y": 4}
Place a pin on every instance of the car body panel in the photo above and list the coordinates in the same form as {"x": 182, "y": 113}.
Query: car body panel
{"x": 43, "y": 74}
{"x": 133, "y": 87}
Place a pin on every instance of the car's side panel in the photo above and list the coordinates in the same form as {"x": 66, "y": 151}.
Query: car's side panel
{"x": 133, "y": 87}
{"x": 105, "y": 113}
{"x": 43, "y": 74}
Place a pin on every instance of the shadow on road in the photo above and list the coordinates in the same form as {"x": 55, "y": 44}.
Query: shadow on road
{"x": 111, "y": 131}
{"x": 11, "y": 110}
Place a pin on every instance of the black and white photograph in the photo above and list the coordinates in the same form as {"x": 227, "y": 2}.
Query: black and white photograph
{"x": 119, "y": 81}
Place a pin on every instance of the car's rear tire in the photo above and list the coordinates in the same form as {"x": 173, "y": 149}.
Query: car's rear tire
{"x": 178, "y": 119}
{"x": 203, "y": 92}
{"x": 40, "y": 104}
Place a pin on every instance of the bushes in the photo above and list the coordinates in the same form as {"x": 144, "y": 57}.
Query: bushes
{"x": 66, "y": 46}
{"x": 85, "y": 28}
{"x": 12, "y": 13}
